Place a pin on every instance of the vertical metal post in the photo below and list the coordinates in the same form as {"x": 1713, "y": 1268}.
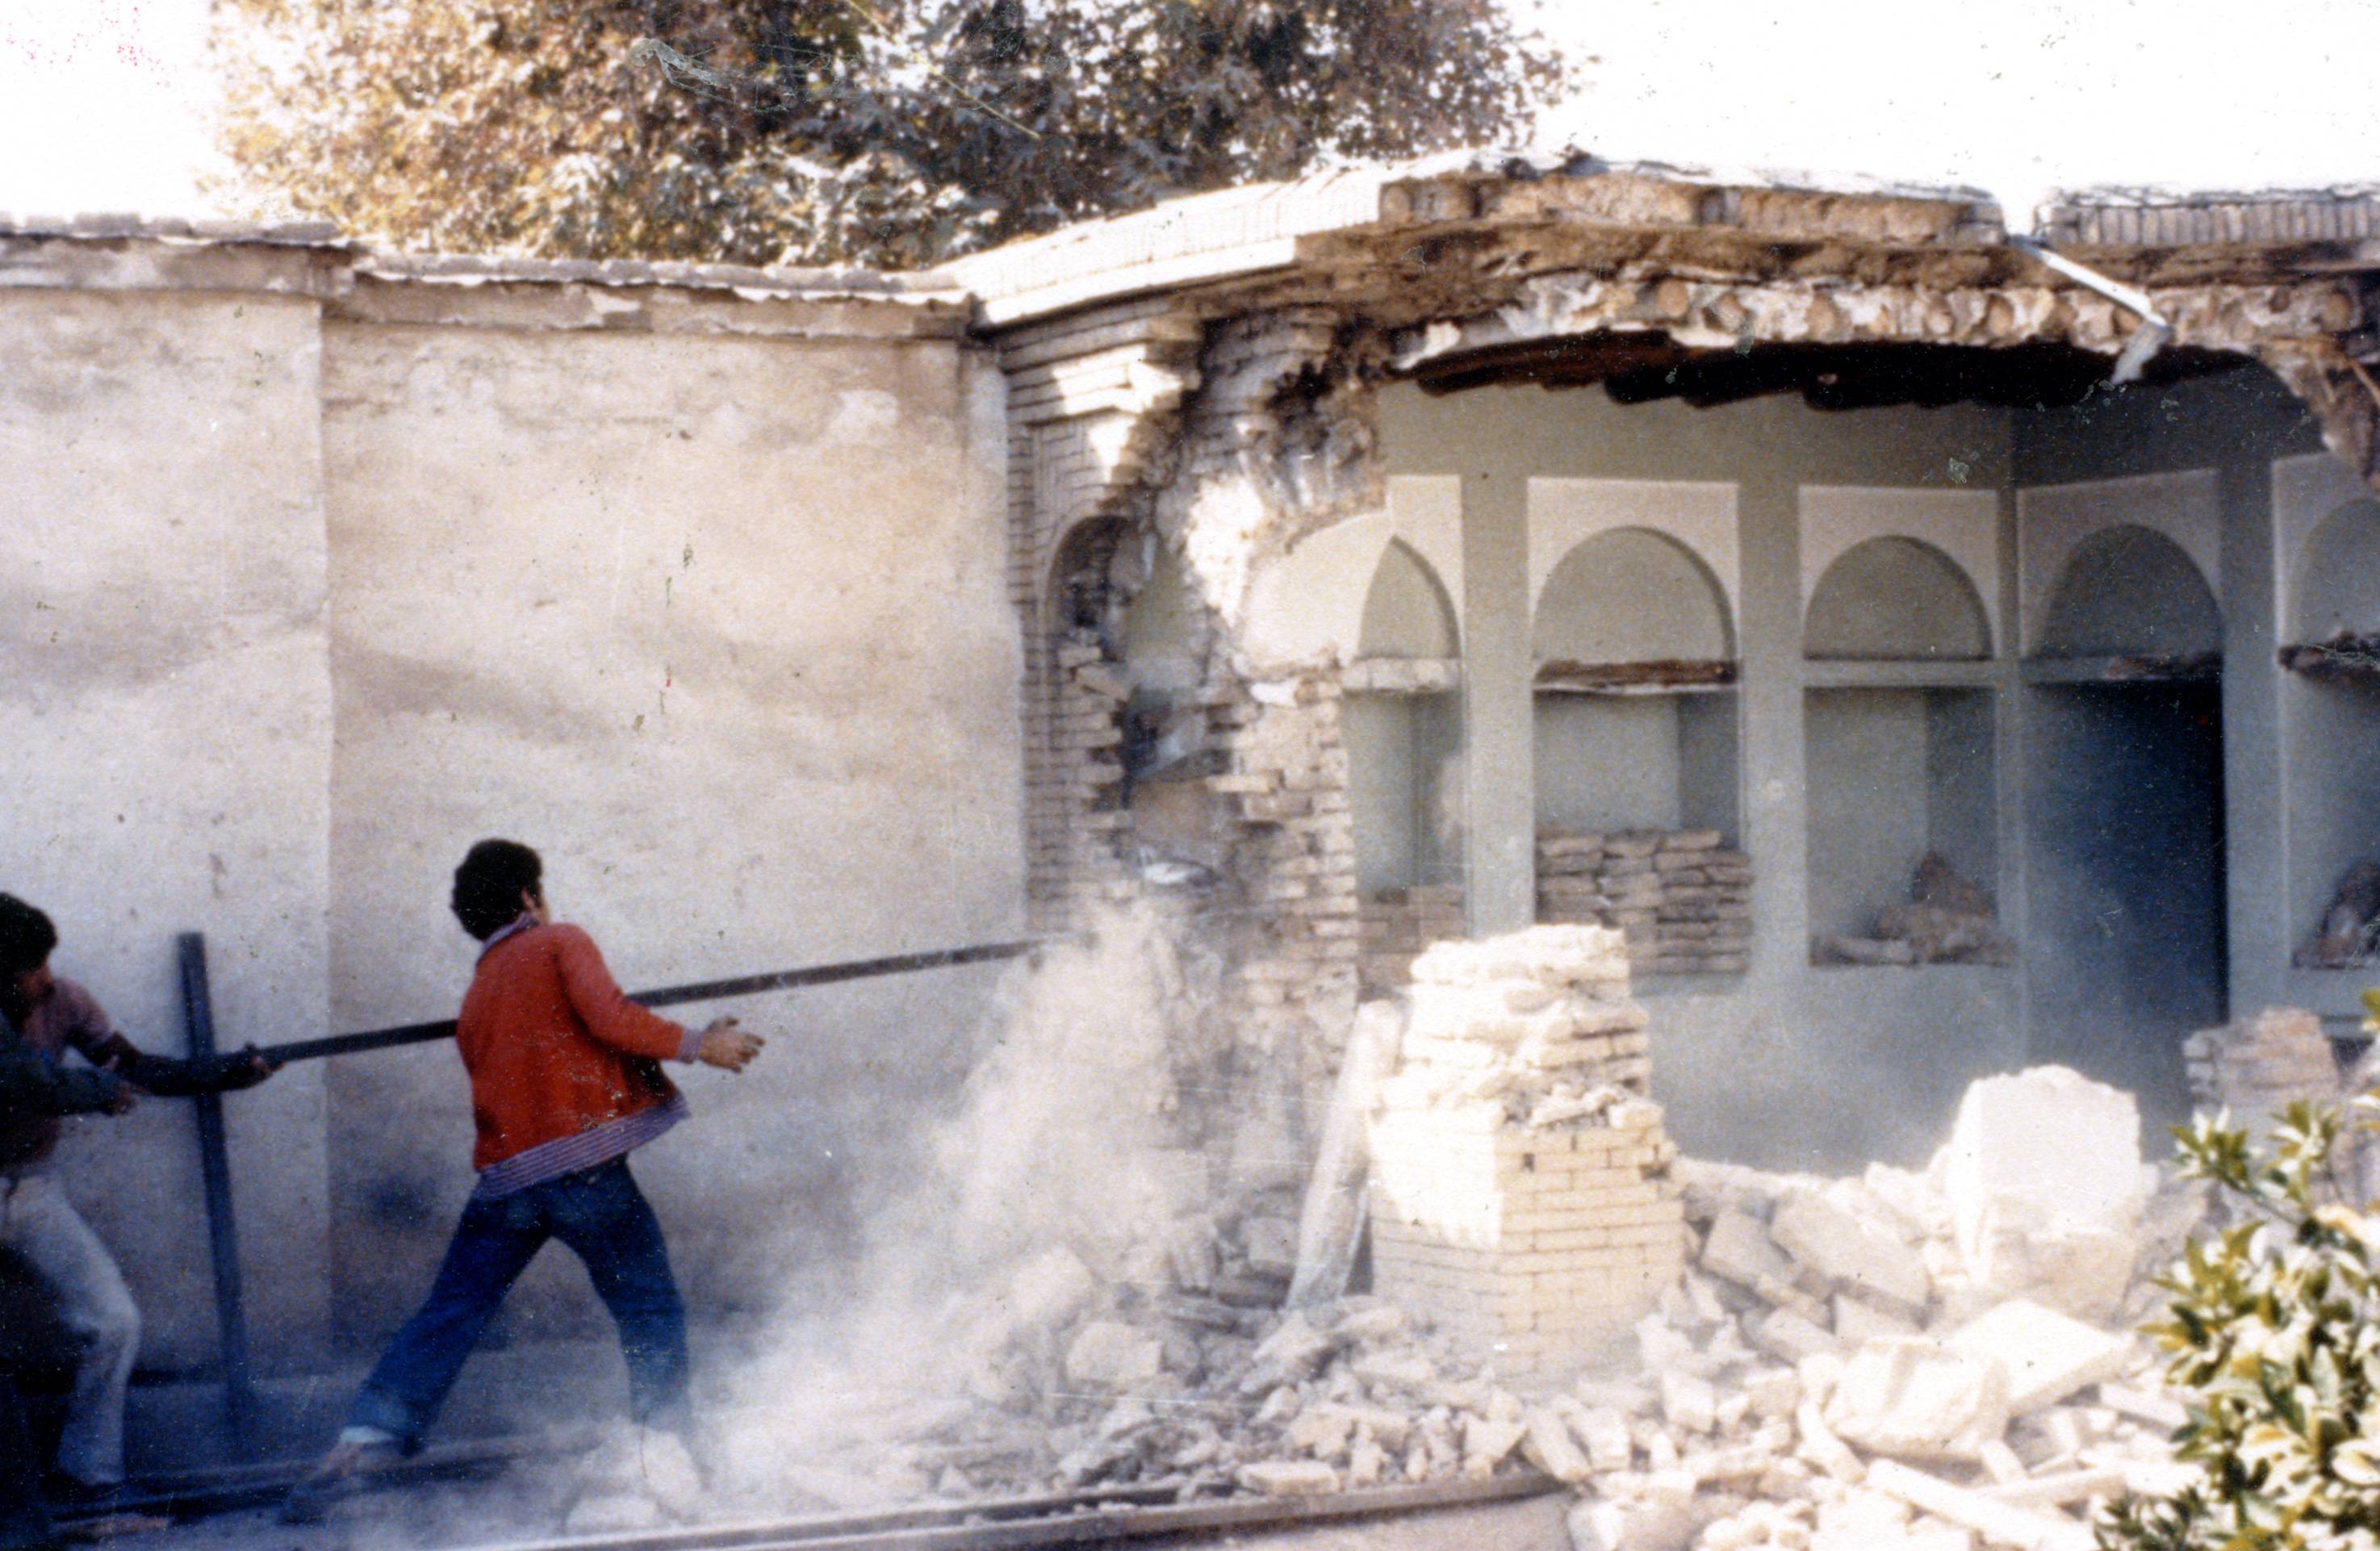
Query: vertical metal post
{"x": 214, "y": 1170}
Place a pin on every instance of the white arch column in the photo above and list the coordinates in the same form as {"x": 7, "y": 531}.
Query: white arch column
{"x": 1499, "y": 840}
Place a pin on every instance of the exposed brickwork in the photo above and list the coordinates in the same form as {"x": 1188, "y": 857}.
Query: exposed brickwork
{"x": 1399, "y": 923}
{"x": 1681, "y": 898}
{"x": 1521, "y": 1190}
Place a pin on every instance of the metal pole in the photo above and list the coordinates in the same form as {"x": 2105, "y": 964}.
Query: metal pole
{"x": 671, "y": 996}
{"x": 214, "y": 1170}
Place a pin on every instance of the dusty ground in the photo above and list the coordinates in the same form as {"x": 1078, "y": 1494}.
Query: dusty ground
{"x": 496, "y": 1512}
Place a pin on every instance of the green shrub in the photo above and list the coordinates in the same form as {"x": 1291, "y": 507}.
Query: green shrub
{"x": 2274, "y": 1347}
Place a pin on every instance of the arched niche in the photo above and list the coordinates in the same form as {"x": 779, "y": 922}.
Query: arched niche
{"x": 1632, "y": 595}
{"x": 2129, "y": 591}
{"x": 2330, "y": 719}
{"x": 1635, "y": 734}
{"x": 1402, "y": 731}
{"x": 1896, "y": 599}
{"x": 1081, "y": 594}
{"x": 1406, "y": 612}
{"x": 1164, "y": 629}
{"x": 2338, "y": 582}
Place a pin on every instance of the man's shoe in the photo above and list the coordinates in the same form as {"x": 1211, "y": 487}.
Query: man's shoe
{"x": 336, "y": 1476}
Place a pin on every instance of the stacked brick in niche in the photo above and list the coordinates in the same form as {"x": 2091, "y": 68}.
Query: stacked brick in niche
{"x": 1682, "y": 900}
{"x": 1398, "y": 924}
{"x": 1520, "y": 1191}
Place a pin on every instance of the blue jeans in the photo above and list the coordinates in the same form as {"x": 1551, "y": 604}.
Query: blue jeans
{"x": 604, "y": 1219}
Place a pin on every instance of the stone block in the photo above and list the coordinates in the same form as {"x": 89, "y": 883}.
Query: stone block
{"x": 1688, "y": 1404}
{"x": 1601, "y": 1431}
{"x": 1049, "y": 1289}
{"x": 1919, "y": 1400}
{"x": 2047, "y": 1355}
{"x": 1788, "y": 1337}
{"x": 1661, "y": 1516}
{"x": 1110, "y": 1354}
{"x": 1738, "y": 1249}
{"x": 1995, "y": 1521}
{"x": 1550, "y": 1446}
{"x": 1852, "y": 1254}
{"x": 2044, "y": 1180}
{"x": 1289, "y": 1478}
{"x": 1486, "y": 1442}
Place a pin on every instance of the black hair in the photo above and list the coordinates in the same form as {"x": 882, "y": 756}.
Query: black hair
{"x": 25, "y": 936}
{"x": 489, "y": 885}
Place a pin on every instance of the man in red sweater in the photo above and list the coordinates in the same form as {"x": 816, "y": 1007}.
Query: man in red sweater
{"x": 565, "y": 1082}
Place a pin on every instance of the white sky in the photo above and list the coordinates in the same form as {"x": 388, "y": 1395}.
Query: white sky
{"x": 105, "y": 103}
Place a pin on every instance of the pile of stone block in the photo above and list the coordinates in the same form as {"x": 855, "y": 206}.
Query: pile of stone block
{"x": 1519, "y": 1189}
{"x": 1904, "y": 1359}
{"x": 1397, "y": 924}
{"x": 1682, "y": 900}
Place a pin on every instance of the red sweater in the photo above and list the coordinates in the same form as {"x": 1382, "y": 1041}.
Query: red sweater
{"x": 553, "y": 1045}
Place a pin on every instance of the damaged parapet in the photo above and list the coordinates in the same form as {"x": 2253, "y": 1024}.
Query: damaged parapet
{"x": 1521, "y": 1190}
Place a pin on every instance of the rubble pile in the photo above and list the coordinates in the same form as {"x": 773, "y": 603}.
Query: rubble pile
{"x": 1681, "y": 898}
{"x": 1948, "y": 918}
{"x": 1520, "y": 1190}
{"x": 1904, "y": 1359}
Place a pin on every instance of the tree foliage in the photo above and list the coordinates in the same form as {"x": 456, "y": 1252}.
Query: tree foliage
{"x": 889, "y": 132}
{"x": 2275, "y": 1340}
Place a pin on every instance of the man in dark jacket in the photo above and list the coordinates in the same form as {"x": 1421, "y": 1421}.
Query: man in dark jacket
{"x": 42, "y": 1018}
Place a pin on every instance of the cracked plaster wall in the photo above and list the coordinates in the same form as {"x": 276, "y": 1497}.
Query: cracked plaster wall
{"x": 709, "y": 621}
{"x": 167, "y": 701}
{"x": 299, "y": 608}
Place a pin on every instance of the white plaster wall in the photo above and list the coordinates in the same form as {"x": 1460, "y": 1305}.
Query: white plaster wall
{"x": 1631, "y": 595}
{"x": 1868, "y": 803}
{"x": 720, "y": 627}
{"x": 2308, "y": 490}
{"x": 167, "y": 707}
{"x": 2054, "y": 521}
{"x": 1962, "y": 523}
{"x": 1608, "y": 762}
{"x": 1308, "y": 604}
{"x": 1699, "y": 515}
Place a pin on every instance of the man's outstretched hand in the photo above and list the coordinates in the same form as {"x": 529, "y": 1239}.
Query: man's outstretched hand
{"x": 727, "y": 1046}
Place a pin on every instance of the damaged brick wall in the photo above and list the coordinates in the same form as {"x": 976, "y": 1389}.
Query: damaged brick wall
{"x": 1223, "y": 804}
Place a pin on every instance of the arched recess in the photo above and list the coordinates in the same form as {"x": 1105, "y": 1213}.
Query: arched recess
{"x": 2130, "y": 592}
{"x": 1629, "y": 595}
{"x": 1402, "y": 725}
{"x": 2122, "y": 823}
{"x": 2331, "y": 737}
{"x": 1081, "y": 595}
{"x": 1896, "y": 599}
{"x": 1636, "y": 719}
{"x": 1165, "y": 628}
{"x": 1124, "y": 645}
{"x": 1406, "y": 612}
{"x": 1901, "y": 775}
{"x": 2337, "y": 586}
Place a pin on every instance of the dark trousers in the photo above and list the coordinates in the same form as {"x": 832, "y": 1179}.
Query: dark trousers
{"x": 604, "y": 1219}
{"x": 24, "y": 1518}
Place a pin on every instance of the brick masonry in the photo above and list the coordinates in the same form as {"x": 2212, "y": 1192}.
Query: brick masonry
{"x": 1521, "y": 1190}
{"x": 1681, "y": 898}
